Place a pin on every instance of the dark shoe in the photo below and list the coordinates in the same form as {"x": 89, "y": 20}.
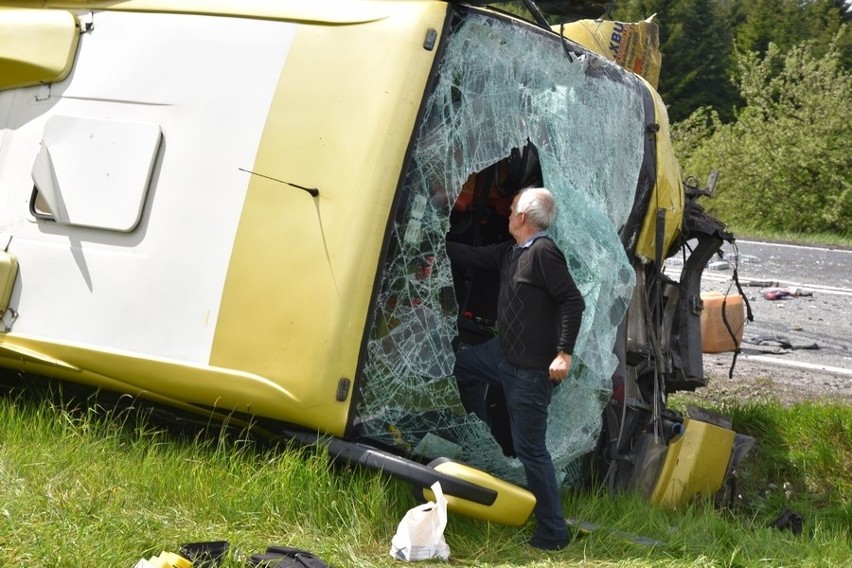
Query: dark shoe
{"x": 548, "y": 543}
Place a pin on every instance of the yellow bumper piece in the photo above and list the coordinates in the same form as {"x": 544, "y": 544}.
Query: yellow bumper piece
{"x": 695, "y": 464}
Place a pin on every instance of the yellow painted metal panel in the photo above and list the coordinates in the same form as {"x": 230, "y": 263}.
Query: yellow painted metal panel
{"x": 319, "y": 11}
{"x": 667, "y": 193}
{"x": 513, "y": 505}
{"x": 8, "y": 275}
{"x": 633, "y": 45}
{"x": 36, "y": 46}
{"x": 297, "y": 293}
{"x": 695, "y": 464}
{"x": 189, "y": 387}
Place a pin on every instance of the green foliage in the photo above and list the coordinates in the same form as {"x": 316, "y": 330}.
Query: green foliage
{"x": 786, "y": 163}
{"x": 808, "y": 447}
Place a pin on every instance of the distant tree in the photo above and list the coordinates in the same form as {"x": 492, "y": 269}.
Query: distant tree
{"x": 697, "y": 55}
{"x": 761, "y": 22}
{"x": 696, "y": 47}
{"x": 785, "y": 163}
{"x": 787, "y": 23}
{"x": 826, "y": 17}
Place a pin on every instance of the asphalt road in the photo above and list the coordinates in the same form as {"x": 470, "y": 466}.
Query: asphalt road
{"x": 805, "y": 341}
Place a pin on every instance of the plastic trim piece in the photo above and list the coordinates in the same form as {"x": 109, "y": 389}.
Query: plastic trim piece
{"x": 36, "y": 46}
{"x": 412, "y": 472}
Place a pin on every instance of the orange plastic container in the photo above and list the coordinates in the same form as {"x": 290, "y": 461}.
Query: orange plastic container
{"x": 715, "y": 337}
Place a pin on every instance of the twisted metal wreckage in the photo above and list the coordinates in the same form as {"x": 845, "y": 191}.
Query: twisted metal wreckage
{"x": 247, "y": 218}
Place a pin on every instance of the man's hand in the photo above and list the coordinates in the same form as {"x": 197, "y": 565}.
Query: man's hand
{"x": 560, "y": 366}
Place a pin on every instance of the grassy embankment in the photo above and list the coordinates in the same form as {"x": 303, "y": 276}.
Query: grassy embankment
{"x": 88, "y": 487}
{"x": 822, "y": 239}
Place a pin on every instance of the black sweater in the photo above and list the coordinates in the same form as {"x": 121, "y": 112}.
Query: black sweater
{"x": 540, "y": 308}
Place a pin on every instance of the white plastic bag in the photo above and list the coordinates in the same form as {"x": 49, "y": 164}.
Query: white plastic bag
{"x": 420, "y": 534}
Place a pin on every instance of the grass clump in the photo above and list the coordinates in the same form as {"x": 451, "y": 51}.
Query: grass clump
{"x": 105, "y": 489}
{"x": 83, "y": 486}
{"x": 805, "y": 450}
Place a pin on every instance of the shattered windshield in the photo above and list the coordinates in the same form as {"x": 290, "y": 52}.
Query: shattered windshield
{"x": 501, "y": 87}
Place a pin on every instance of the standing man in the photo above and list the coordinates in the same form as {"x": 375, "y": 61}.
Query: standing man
{"x": 538, "y": 318}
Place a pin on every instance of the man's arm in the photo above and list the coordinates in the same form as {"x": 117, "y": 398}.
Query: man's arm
{"x": 572, "y": 318}
{"x": 572, "y": 307}
{"x": 484, "y": 257}
{"x": 559, "y": 283}
{"x": 563, "y": 289}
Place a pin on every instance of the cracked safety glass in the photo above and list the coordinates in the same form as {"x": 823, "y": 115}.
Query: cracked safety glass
{"x": 510, "y": 107}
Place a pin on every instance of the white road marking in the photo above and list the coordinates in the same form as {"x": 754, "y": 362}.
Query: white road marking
{"x": 783, "y": 284}
{"x": 798, "y": 364}
{"x": 793, "y": 246}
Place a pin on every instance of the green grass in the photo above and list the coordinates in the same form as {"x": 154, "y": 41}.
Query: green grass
{"x": 80, "y": 486}
{"x": 819, "y": 239}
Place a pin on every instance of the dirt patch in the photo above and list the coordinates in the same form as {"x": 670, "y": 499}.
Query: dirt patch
{"x": 754, "y": 381}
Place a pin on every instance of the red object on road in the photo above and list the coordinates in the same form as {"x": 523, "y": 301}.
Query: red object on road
{"x": 778, "y": 293}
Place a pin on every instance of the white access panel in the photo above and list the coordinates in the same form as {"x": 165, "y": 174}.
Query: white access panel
{"x": 200, "y": 87}
{"x": 95, "y": 173}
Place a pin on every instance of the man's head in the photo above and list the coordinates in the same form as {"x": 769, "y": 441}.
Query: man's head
{"x": 533, "y": 210}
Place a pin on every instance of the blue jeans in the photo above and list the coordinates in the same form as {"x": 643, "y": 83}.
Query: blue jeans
{"x": 528, "y": 393}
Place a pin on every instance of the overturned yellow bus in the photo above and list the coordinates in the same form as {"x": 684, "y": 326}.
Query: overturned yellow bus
{"x": 240, "y": 209}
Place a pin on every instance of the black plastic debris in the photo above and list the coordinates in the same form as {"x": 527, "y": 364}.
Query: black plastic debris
{"x": 774, "y": 343}
{"x": 761, "y": 283}
{"x": 205, "y": 554}
{"x": 286, "y": 557}
{"x": 789, "y": 520}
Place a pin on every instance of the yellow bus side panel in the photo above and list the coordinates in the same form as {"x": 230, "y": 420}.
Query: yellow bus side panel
{"x": 302, "y": 271}
{"x": 668, "y": 191}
